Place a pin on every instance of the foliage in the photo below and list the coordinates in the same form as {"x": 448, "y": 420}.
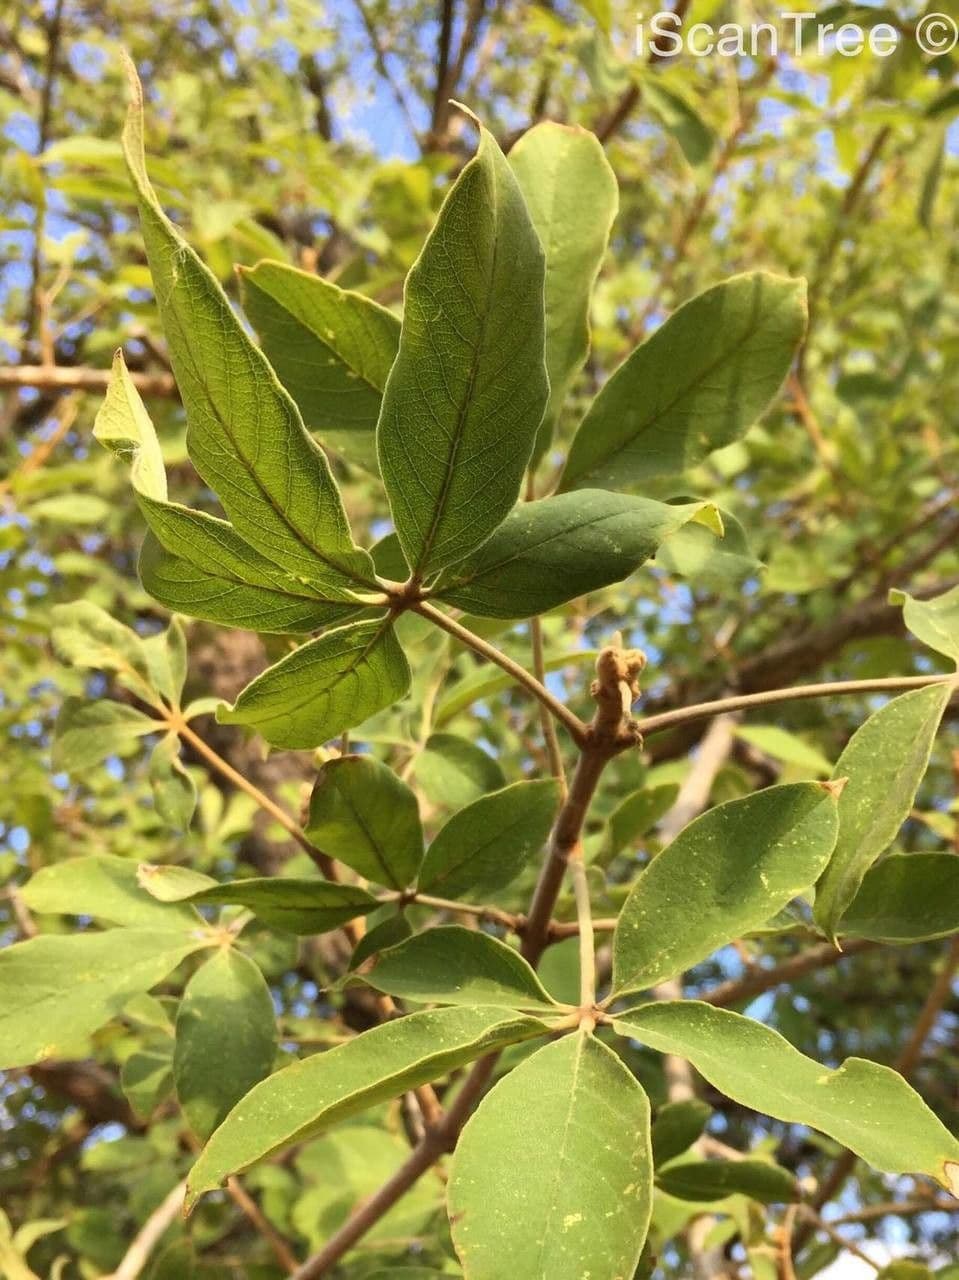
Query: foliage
{"x": 335, "y": 852}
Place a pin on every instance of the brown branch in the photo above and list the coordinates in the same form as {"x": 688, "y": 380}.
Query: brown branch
{"x": 150, "y": 1235}
{"x": 442, "y": 90}
{"x": 744, "y": 702}
{"x": 610, "y": 124}
{"x": 50, "y": 377}
{"x": 761, "y": 980}
{"x": 261, "y": 1223}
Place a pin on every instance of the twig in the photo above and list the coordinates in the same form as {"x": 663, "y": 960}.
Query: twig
{"x": 255, "y": 1215}
{"x": 754, "y": 984}
{"x": 818, "y": 1224}
{"x": 382, "y": 67}
{"x": 553, "y": 750}
{"x": 571, "y": 721}
{"x": 743, "y": 702}
{"x": 150, "y": 1234}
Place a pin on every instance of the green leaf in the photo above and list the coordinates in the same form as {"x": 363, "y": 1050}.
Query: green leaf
{"x": 327, "y": 685}
{"x": 467, "y": 393}
{"x": 634, "y": 817}
{"x": 906, "y": 1269}
{"x": 174, "y": 791}
{"x": 331, "y": 348}
{"x": 168, "y": 660}
{"x": 705, "y": 1180}
{"x": 785, "y": 746}
{"x": 716, "y": 563}
{"x": 485, "y": 846}
{"x": 552, "y": 1177}
{"x": 283, "y": 902}
{"x": 695, "y": 138}
{"x": 56, "y": 990}
{"x": 85, "y": 635}
{"x": 245, "y": 435}
{"x": 105, "y": 887}
{"x": 551, "y": 551}
{"x": 305, "y": 1099}
{"x": 453, "y": 771}
{"x": 225, "y": 1038}
{"x": 362, "y": 814}
{"x": 86, "y": 733}
{"x": 868, "y": 1108}
{"x": 702, "y": 378}
{"x": 453, "y": 965}
{"x": 935, "y": 622}
{"x": 388, "y": 933}
{"x": 726, "y": 873}
{"x": 481, "y": 685}
{"x": 676, "y": 1127}
{"x": 146, "y": 1079}
{"x": 908, "y": 897}
{"x": 572, "y": 197}
{"x": 194, "y": 562}
{"x": 884, "y": 762}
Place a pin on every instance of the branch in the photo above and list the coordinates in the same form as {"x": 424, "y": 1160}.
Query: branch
{"x": 53, "y": 377}
{"x": 743, "y": 702}
{"x": 577, "y": 729}
{"x": 150, "y": 1234}
{"x": 761, "y": 980}
{"x": 611, "y": 124}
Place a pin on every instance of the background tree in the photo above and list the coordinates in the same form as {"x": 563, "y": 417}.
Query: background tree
{"x": 324, "y": 139}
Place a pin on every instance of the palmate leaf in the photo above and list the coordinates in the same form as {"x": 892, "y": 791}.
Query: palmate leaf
{"x": 304, "y": 1099}
{"x": 468, "y": 390}
{"x": 695, "y": 385}
{"x": 552, "y": 1177}
{"x": 225, "y": 1038}
{"x": 884, "y": 762}
{"x": 331, "y": 348}
{"x": 327, "y": 685}
{"x": 547, "y": 552}
{"x": 453, "y": 965}
{"x": 868, "y": 1108}
{"x": 56, "y": 989}
{"x": 728, "y": 872}
{"x": 908, "y": 897}
{"x": 245, "y": 435}
{"x": 194, "y": 562}
{"x": 283, "y": 902}
{"x": 572, "y": 197}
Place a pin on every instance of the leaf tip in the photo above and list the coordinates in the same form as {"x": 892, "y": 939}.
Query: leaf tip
{"x": 833, "y": 786}
{"x": 950, "y": 1177}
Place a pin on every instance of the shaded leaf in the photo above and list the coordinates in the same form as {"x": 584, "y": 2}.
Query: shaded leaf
{"x": 868, "y": 1108}
{"x": 453, "y": 771}
{"x": 676, "y": 1128}
{"x": 146, "y": 1079}
{"x": 362, "y": 814}
{"x": 55, "y": 990}
{"x": 331, "y": 348}
{"x": 225, "y": 1038}
{"x": 884, "y": 762}
{"x": 85, "y": 635}
{"x": 695, "y": 138}
{"x": 486, "y": 845}
{"x": 783, "y": 745}
{"x": 704, "y": 377}
{"x": 174, "y": 791}
{"x": 327, "y": 685}
{"x": 453, "y": 965}
{"x": 726, "y": 873}
{"x": 388, "y": 933}
{"x": 308, "y": 1097}
{"x": 908, "y": 897}
{"x": 547, "y": 552}
{"x": 87, "y": 733}
{"x": 576, "y": 1201}
{"x": 283, "y": 902}
{"x": 468, "y": 390}
{"x": 705, "y": 1180}
{"x": 634, "y": 817}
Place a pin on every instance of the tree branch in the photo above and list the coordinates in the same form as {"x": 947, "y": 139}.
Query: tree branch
{"x": 58, "y": 377}
{"x": 743, "y": 702}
